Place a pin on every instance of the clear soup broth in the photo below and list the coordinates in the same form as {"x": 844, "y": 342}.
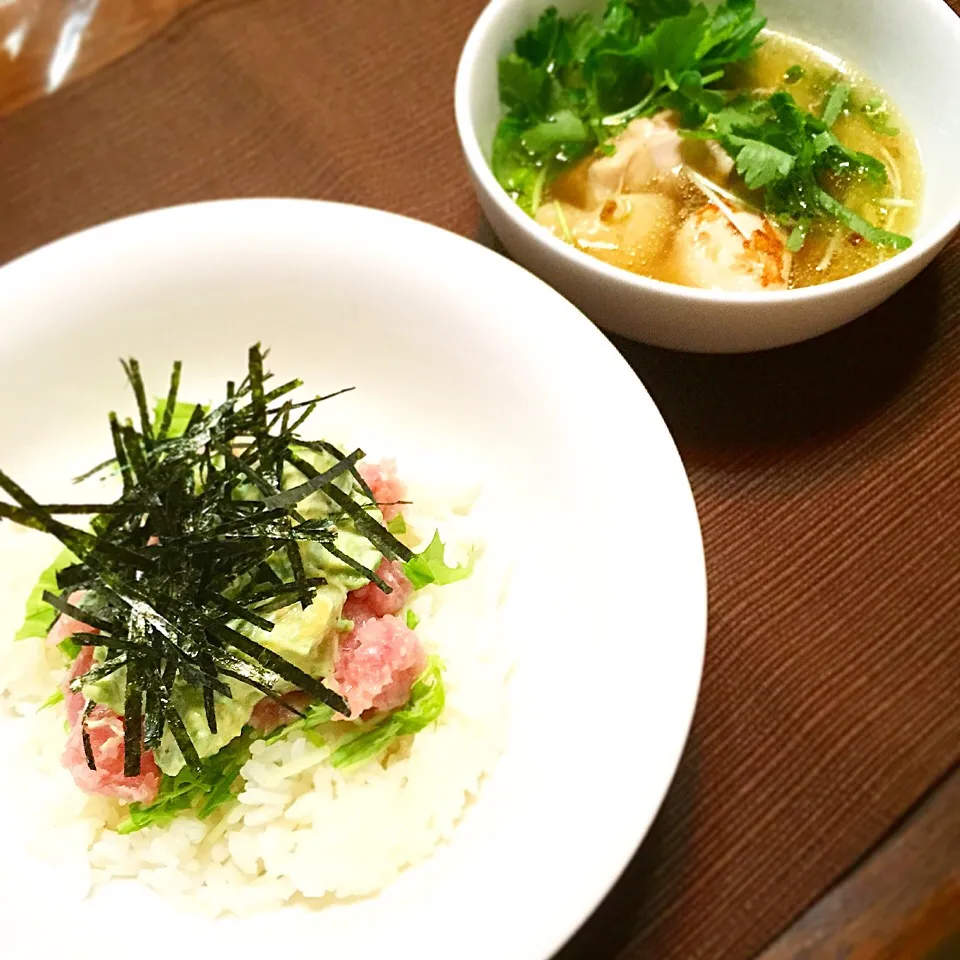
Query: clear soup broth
{"x": 647, "y": 232}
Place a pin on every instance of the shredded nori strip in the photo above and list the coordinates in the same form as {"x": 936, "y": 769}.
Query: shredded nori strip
{"x": 375, "y": 532}
{"x": 62, "y": 607}
{"x": 132, "y": 714}
{"x": 185, "y": 553}
{"x": 210, "y": 709}
{"x": 171, "y": 401}
{"x": 85, "y": 736}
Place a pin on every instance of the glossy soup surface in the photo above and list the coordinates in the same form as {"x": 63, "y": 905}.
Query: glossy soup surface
{"x": 645, "y": 232}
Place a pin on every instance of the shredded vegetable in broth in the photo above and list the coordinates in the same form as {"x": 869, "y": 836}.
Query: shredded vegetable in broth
{"x": 869, "y": 123}
{"x": 702, "y": 149}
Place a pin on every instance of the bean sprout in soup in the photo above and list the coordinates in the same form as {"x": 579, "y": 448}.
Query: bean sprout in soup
{"x": 675, "y": 209}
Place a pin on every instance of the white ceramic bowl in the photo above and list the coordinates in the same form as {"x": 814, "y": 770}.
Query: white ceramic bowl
{"x": 912, "y": 50}
{"x": 464, "y": 364}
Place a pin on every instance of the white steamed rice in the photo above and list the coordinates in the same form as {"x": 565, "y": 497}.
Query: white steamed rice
{"x": 301, "y": 829}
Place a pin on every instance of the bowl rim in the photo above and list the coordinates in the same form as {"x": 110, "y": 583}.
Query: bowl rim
{"x": 920, "y": 250}
{"x": 31, "y": 268}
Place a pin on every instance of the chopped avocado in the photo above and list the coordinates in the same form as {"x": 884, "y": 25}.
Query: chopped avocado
{"x": 307, "y": 638}
{"x": 232, "y": 714}
{"x": 318, "y": 562}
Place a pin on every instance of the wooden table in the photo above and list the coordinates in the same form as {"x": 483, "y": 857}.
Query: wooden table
{"x": 816, "y": 812}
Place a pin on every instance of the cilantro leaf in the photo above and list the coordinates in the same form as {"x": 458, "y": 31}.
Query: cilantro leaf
{"x": 878, "y": 116}
{"x": 571, "y": 83}
{"x": 882, "y": 238}
{"x": 538, "y": 45}
{"x": 517, "y": 172}
{"x": 798, "y": 236}
{"x": 692, "y": 43}
{"x": 794, "y": 74}
{"x": 731, "y": 34}
{"x": 430, "y": 567}
{"x": 522, "y": 84}
{"x": 761, "y": 163}
{"x": 785, "y": 151}
{"x": 563, "y": 128}
{"x": 649, "y": 13}
{"x": 673, "y": 44}
{"x": 413, "y": 621}
{"x": 841, "y": 159}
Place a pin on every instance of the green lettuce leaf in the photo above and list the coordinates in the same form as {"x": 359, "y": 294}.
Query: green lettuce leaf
{"x": 315, "y": 715}
{"x": 39, "y": 615}
{"x": 430, "y": 567}
{"x": 182, "y": 412}
{"x": 203, "y": 794}
{"x": 54, "y": 698}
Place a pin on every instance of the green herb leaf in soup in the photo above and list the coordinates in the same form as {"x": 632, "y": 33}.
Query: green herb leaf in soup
{"x": 686, "y": 143}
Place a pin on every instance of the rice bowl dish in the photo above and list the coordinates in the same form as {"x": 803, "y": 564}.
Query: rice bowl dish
{"x": 71, "y": 830}
{"x": 306, "y": 806}
{"x": 463, "y": 366}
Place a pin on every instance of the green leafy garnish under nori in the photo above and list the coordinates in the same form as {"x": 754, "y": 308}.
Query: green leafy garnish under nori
{"x": 429, "y": 566}
{"x": 425, "y": 705}
{"x": 202, "y": 792}
{"x": 185, "y": 551}
{"x": 54, "y": 698}
{"x": 39, "y": 614}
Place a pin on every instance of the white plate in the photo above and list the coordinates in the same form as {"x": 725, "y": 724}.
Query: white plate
{"x": 461, "y": 360}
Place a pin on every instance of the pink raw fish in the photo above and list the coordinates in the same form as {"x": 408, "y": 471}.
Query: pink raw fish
{"x": 75, "y": 702}
{"x": 377, "y": 665}
{"x": 370, "y": 601}
{"x": 106, "y": 740}
{"x": 386, "y": 486}
{"x": 65, "y": 626}
{"x": 105, "y": 728}
{"x": 268, "y": 714}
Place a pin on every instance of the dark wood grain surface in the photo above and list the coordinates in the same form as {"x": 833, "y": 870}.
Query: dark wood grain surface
{"x": 903, "y": 903}
{"x": 825, "y": 474}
